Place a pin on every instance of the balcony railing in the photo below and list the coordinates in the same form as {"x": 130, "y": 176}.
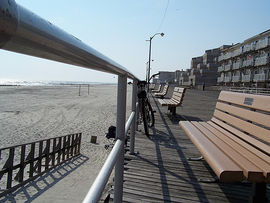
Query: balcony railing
{"x": 248, "y": 62}
{"x": 259, "y": 77}
{"x": 227, "y": 55}
{"x": 220, "y": 68}
{"x": 263, "y": 43}
{"x": 227, "y": 79}
{"x": 228, "y": 67}
{"x": 246, "y": 48}
{"x": 246, "y": 78}
{"x": 20, "y": 29}
{"x": 263, "y": 60}
{"x": 237, "y": 52}
{"x": 236, "y": 78}
{"x": 220, "y": 79}
{"x": 236, "y": 65}
{"x": 220, "y": 58}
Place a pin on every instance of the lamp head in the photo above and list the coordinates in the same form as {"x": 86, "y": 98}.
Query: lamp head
{"x": 162, "y": 34}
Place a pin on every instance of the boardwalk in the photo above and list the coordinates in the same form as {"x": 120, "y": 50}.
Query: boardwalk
{"x": 160, "y": 171}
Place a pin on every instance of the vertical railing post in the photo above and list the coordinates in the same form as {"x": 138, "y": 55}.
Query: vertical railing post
{"x": 133, "y": 125}
{"x": 120, "y": 134}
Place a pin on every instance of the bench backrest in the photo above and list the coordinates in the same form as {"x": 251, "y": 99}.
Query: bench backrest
{"x": 165, "y": 90}
{"x": 152, "y": 86}
{"x": 245, "y": 115}
{"x": 158, "y": 89}
{"x": 178, "y": 95}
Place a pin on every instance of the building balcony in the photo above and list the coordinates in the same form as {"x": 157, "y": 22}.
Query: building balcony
{"x": 220, "y": 79}
{"x": 259, "y": 77}
{"x": 246, "y": 48}
{"x": 227, "y": 79}
{"x": 227, "y": 67}
{"x": 237, "y": 52}
{"x": 263, "y": 60}
{"x": 246, "y": 78}
{"x": 220, "y": 58}
{"x": 248, "y": 63}
{"x": 220, "y": 69}
{"x": 236, "y": 78}
{"x": 236, "y": 65}
{"x": 227, "y": 55}
{"x": 262, "y": 43}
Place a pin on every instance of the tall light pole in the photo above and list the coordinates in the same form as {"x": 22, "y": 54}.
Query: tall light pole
{"x": 149, "y": 61}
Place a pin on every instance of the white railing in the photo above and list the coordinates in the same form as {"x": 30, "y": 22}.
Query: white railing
{"x": 237, "y": 52}
{"x": 236, "y": 78}
{"x": 246, "y": 78}
{"x": 250, "y": 90}
{"x": 227, "y": 79}
{"x": 220, "y": 58}
{"x": 263, "y": 60}
{"x": 263, "y": 43}
{"x": 20, "y": 30}
{"x": 259, "y": 77}
{"x": 236, "y": 65}
{"x": 220, "y": 79}
{"x": 248, "y": 62}
{"x": 227, "y": 67}
{"x": 220, "y": 68}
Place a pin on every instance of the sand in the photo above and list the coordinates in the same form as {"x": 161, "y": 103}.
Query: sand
{"x": 34, "y": 113}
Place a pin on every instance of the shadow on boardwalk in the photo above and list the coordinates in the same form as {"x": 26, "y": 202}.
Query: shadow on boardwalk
{"x": 37, "y": 187}
{"x": 160, "y": 170}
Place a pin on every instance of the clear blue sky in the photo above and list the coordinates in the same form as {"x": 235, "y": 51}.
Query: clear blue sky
{"x": 119, "y": 29}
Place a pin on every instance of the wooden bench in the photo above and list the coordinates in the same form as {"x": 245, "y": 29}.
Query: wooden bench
{"x": 152, "y": 86}
{"x": 163, "y": 93}
{"x": 157, "y": 90}
{"x": 175, "y": 100}
{"x": 235, "y": 142}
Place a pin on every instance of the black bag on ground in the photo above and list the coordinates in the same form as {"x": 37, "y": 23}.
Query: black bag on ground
{"x": 111, "y": 132}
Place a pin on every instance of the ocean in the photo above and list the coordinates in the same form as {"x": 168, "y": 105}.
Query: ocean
{"x": 10, "y": 82}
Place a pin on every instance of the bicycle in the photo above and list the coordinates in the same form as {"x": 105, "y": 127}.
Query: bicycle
{"x": 145, "y": 107}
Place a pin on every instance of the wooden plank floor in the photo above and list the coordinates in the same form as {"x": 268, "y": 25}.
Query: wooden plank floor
{"x": 160, "y": 171}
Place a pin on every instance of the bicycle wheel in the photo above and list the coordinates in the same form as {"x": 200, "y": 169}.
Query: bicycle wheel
{"x": 144, "y": 116}
{"x": 150, "y": 114}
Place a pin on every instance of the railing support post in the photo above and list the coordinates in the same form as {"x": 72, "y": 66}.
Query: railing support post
{"x": 133, "y": 125}
{"x": 120, "y": 134}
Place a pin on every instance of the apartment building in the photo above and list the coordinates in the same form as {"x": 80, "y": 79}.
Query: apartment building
{"x": 203, "y": 69}
{"x": 246, "y": 63}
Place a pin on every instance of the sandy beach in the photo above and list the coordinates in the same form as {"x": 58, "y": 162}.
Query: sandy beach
{"x": 34, "y": 113}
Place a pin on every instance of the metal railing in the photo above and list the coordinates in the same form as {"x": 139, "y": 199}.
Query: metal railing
{"x": 24, "y": 32}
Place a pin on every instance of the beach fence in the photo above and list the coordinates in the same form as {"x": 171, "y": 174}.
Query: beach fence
{"x": 23, "y": 163}
{"x": 24, "y": 32}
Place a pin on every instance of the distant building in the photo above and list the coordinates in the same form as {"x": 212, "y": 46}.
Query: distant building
{"x": 246, "y": 63}
{"x": 168, "y": 77}
{"x": 203, "y": 69}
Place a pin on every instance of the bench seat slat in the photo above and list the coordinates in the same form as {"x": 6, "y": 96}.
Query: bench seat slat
{"x": 260, "y": 145}
{"x": 176, "y": 98}
{"x": 259, "y": 102}
{"x": 257, "y": 117}
{"x": 255, "y": 130}
{"x": 251, "y": 171}
{"x": 222, "y": 165}
{"x": 247, "y": 151}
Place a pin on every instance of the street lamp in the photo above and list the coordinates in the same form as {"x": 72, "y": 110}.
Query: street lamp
{"x": 149, "y": 61}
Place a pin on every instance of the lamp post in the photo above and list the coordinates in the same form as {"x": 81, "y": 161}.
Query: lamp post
{"x": 149, "y": 61}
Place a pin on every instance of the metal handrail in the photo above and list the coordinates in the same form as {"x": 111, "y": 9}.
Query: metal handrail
{"x": 24, "y": 32}
{"x": 99, "y": 184}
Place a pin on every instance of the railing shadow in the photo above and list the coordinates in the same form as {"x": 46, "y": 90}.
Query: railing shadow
{"x": 55, "y": 175}
{"x": 173, "y": 143}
